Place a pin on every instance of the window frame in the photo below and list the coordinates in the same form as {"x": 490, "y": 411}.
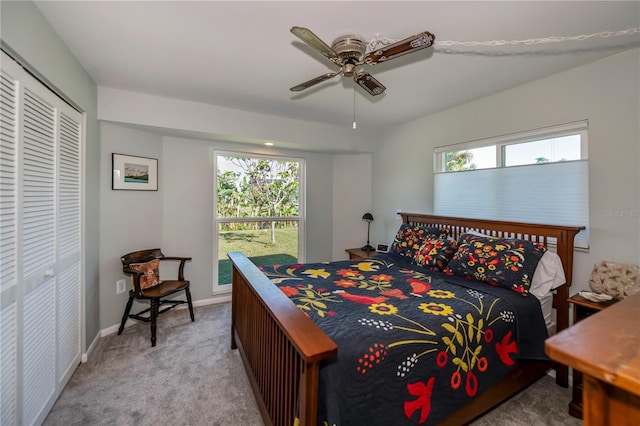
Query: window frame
{"x": 501, "y": 142}
{"x": 301, "y": 218}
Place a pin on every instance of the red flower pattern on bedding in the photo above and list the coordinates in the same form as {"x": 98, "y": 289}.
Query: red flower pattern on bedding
{"x": 421, "y": 336}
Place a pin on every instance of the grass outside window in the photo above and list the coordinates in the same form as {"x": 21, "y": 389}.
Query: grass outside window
{"x": 257, "y": 246}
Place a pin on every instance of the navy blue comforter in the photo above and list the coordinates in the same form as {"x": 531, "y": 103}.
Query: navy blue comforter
{"x": 413, "y": 345}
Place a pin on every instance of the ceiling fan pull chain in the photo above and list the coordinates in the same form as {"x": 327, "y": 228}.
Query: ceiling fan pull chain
{"x": 354, "y": 109}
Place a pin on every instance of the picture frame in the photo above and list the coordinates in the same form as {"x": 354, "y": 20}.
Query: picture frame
{"x": 382, "y": 248}
{"x": 133, "y": 173}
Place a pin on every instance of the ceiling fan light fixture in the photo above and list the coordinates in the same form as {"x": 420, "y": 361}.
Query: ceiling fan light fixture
{"x": 348, "y": 70}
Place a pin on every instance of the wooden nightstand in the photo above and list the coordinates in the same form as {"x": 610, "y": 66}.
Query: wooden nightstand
{"x": 358, "y": 253}
{"x": 582, "y": 308}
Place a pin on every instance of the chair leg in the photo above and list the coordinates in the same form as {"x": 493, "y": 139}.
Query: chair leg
{"x": 154, "y": 316}
{"x": 126, "y": 315}
{"x": 189, "y": 303}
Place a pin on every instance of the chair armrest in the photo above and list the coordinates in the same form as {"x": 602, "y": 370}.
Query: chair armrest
{"x": 136, "y": 278}
{"x": 131, "y": 271}
{"x": 175, "y": 258}
{"x": 182, "y": 262}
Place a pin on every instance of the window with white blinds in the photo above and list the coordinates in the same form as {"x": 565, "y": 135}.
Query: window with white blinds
{"x": 540, "y": 176}
{"x": 40, "y": 245}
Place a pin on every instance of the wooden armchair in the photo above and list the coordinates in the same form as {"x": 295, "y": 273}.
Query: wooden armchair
{"x": 143, "y": 266}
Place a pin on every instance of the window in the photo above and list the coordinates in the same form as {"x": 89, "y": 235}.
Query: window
{"x": 538, "y": 176}
{"x": 565, "y": 148}
{"x": 259, "y": 205}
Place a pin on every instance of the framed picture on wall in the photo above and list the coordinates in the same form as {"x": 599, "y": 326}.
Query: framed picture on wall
{"x": 134, "y": 173}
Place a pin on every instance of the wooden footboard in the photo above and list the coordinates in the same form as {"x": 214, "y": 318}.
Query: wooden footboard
{"x": 281, "y": 348}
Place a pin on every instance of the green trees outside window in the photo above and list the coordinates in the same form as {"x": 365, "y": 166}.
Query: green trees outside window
{"x": 257, "y": 209}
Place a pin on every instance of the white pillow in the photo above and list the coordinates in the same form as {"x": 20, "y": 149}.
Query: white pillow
{"x": 548, "y": 275}
{"x": 478, "y": 233}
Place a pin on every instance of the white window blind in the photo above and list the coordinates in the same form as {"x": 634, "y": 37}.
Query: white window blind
{"x": 552, "y": 193}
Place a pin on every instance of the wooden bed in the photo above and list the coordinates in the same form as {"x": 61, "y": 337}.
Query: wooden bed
{"x": 282, "y": 348}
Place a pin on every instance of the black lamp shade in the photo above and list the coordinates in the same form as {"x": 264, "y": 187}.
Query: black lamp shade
{"x": 367, "y": 217}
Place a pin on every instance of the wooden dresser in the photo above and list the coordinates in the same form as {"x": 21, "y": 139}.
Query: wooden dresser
{"x": 605, "y": 348}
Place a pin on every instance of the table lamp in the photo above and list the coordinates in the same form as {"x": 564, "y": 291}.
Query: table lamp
{"x": 369, "y": 218}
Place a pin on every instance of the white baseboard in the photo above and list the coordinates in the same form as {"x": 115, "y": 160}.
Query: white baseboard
{"x": 90, "y": 349}
{"x": 114, "y": 328}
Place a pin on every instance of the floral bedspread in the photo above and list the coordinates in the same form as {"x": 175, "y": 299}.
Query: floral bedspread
{"x": 413, "y": 345}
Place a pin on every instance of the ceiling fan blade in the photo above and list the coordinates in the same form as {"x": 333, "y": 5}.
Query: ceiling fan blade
{"x": 314, "y": 81}
{"x": 402, "y": 47}
{"x": 314, "y": 41}
{"x": 368, "y": 83}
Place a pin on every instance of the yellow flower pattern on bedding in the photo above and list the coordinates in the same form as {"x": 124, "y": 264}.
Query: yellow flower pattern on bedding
{"x": 404, "y": 332}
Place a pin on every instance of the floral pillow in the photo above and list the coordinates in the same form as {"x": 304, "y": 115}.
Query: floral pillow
{"x": 410, "y": 238}
{"x": 151, "y": 276}
{"x": 435, "y": 253}
{"x": 502, "y": 262}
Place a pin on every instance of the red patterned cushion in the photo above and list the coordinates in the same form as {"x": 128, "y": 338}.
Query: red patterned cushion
{"x": 410, "y": 238}
{"x": 502, "y": 262}
{"x": 151, "y": 275}
{"x": 435, "y": 253}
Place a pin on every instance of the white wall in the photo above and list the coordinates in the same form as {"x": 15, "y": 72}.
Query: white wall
{"x": 224, "y": 124}
{"x": 179, "y": 216}
{"x": 606, "y": 93}
{"x": 187, "y": 228}
{"x": 351, "y": 199}
{"x": 129, "y": 220}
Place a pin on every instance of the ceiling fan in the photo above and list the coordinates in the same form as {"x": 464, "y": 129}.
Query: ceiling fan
{"x": 350, "y": 51}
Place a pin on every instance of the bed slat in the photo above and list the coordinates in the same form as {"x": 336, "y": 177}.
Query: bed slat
{"x": 280, "y": 347}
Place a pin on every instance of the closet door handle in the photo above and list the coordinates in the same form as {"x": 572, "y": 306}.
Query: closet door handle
{"x": 49, "y": 273}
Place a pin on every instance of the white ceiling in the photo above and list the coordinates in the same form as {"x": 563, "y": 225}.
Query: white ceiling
{"x": 241, "y": 54}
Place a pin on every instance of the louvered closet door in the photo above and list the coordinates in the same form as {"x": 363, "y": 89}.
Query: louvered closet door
{"x": 69, "y": 255}
{"x": 8, "y": 247}
{"x": 41, "y": 248}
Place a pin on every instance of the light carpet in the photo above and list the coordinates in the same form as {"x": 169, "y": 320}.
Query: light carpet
{"x": 192, "y": 377}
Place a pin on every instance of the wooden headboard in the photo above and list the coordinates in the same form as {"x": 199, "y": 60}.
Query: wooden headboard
{"x": 560, "y": 236}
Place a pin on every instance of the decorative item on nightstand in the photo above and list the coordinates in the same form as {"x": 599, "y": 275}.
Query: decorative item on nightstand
{"x": 369, "y": 218}
{"x": 615, "y": 279}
